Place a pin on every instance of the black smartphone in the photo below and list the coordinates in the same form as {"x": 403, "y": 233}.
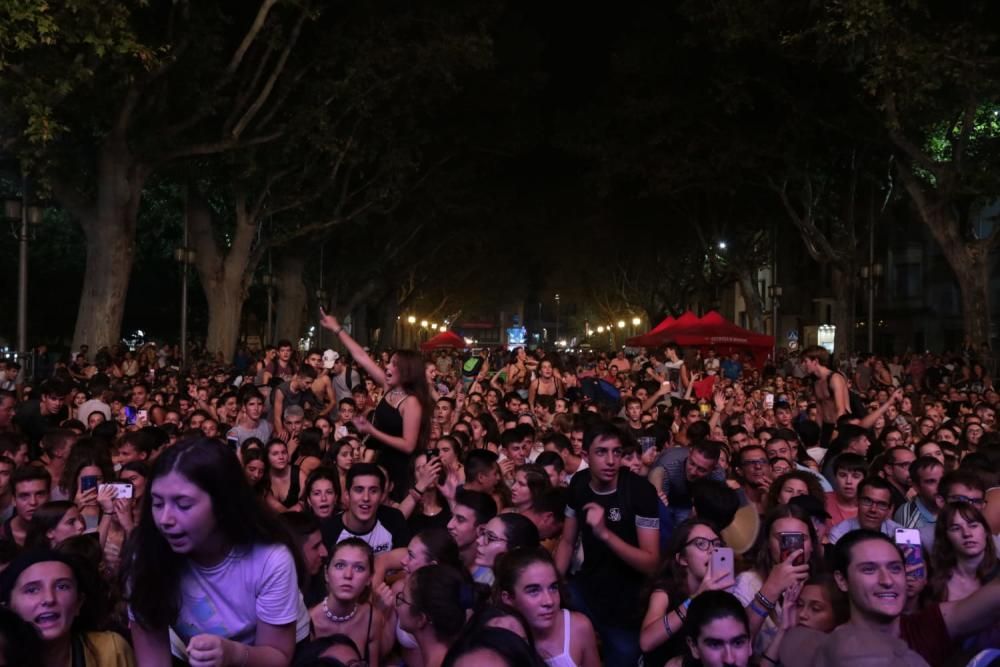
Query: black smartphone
{"x": 88, "y": 482}
{"x": 791, "y": 542}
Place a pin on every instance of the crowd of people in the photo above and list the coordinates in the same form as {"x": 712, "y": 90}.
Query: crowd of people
{"x": 667, "y": 507}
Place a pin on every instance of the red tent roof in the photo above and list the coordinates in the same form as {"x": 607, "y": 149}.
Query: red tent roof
{"x": 657, "y": 335}
{"x": 713, "y": 329}
{"x": 710, "y": 330}
{"x": 666, "y": 323}
{"x": 442, "y": 341}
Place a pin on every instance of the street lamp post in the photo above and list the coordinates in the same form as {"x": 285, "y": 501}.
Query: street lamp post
{"x": 775, "y": 293}
{"x": 184, "y": 256}
{"x": 18, "y": 210}
{"x": 870, "y": 275}
{"x": 268, "y": 281}
{"x": 557, "y": 315}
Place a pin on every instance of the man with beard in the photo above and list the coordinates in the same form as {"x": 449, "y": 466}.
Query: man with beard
{"x": 754, "y": 475}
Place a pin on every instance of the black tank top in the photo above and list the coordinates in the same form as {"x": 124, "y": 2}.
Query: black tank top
{"x": 293, "y": 489}
{"x": 388, "y": 420}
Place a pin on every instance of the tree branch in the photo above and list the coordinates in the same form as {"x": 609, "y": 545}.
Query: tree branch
{"x": 213, "y": 147}
{"x": 248, "y": 39}
{"x": 895, "y": 128}
{"x": 265, "y": 93}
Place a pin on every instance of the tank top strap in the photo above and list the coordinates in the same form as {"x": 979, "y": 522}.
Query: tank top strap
{"x": 567, "y": 616}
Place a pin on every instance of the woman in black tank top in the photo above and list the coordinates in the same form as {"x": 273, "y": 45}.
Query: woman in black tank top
{"x": 400, "y": 425}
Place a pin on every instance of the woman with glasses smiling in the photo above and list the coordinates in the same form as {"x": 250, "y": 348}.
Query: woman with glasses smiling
{"x": 687, "y": 572}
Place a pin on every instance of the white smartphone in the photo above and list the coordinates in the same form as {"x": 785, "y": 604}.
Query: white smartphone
{"x": 768, "y": 401}
{"x": 122, "y": 489}
{"x": 722, "y": 561}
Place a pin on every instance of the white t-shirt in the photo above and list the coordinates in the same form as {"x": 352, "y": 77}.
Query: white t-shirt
{"x": 228, "y": 599}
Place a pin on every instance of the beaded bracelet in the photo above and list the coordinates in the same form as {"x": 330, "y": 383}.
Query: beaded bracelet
{"x": 666, "y": 626}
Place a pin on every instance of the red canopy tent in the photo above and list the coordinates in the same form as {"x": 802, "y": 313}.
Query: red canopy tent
{"x": 658, "y": 335}
{"x": 712, "y": 330}
{"x": 443, "y": 341}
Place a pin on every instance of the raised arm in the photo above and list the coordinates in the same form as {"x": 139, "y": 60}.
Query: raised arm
{"x": 869, "y": 420}
{"x": 357, "y": 352}
{"x": 971, "y": 614}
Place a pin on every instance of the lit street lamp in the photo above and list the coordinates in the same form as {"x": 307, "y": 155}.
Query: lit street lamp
{"x": 411, "y": 319}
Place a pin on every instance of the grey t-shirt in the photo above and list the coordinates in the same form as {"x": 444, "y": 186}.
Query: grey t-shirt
{"x": 262, "y": 432}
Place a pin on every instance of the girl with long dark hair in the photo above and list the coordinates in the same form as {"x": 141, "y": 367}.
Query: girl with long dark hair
{"x": 210, "y": 562}
{"x": 401, "y": 422}
{"x": 527, "y": 580}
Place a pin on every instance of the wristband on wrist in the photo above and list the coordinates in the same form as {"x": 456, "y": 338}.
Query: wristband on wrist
{"x": 757, "y": 610}
{"x": 666, "y": 627}
{"x": 764, "y": 602}
{"x": 680, "y": 614}
{"x": 336, "y": 332}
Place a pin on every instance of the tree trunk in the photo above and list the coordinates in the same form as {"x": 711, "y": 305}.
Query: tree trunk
{"x": 842, "y": 312}
{"x": 109, "y": 226}
{"x": 969, "y": 260}
{"x": 224, "y": 275}
{"x": 754, "y": 301}
{"x": 291, "y": 296}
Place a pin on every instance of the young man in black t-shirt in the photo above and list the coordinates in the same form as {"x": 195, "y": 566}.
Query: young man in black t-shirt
{"x": 383, "y": 528}
{"x": 617, "y": 513}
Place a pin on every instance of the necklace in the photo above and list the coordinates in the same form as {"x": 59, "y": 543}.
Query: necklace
{"x": 339, "y": 619}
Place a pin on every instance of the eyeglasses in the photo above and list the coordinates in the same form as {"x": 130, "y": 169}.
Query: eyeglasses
{"x": 902, "y": 464}
{"x": 881, "y": 505}
{"x": 975, "y": 502}
{"x": 400, "y": 600}
{"x": 756, "y": 463}
{"x": 704, "y": 544}
{"x": 490, "y": 536}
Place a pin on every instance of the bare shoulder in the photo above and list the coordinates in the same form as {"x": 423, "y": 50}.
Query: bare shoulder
{"x": 579, "y": 622}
